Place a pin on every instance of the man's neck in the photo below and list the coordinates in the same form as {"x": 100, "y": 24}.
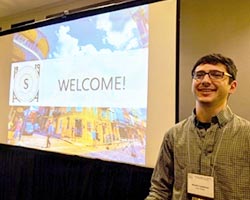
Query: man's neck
{"x": 205, "y": 113}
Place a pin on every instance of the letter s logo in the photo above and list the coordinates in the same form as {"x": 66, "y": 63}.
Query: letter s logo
{"x": 26, "y": 84}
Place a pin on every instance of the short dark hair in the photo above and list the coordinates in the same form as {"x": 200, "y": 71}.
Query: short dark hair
{"x": 216, "y": 59}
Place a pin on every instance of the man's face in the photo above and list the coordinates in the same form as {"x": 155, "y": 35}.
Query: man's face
{"x": 208, "y": 90}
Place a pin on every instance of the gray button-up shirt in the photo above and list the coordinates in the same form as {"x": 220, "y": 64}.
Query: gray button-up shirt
{"x": 221, "y": 151}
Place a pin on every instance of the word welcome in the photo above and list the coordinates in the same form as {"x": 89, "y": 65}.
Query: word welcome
{"x": 92, "y": 84}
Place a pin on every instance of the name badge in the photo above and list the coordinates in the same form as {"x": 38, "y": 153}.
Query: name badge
{"x": 200, "y": 185}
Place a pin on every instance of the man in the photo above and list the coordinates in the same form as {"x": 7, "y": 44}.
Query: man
{"x": 206, "y": 156}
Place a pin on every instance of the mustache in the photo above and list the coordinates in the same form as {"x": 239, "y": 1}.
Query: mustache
{"x": 206, "y": 88}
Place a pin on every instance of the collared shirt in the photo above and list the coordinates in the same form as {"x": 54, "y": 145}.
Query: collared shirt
{"x": 221, "y": 151}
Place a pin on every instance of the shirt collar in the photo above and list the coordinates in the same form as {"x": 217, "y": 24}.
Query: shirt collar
{"x": 222, "y": 118}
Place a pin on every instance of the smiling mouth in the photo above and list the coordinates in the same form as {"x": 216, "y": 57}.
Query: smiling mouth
{"x": 206, "y": 90}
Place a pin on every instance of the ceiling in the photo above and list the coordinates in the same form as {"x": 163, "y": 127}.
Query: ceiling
{"x": 14, "y": 7}
{"x": 10, "y": 8}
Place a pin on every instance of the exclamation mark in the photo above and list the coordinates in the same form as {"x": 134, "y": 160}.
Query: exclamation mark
{"x": 124, "y": 82}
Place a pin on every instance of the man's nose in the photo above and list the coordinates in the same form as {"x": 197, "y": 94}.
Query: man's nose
{"x": 206, "y": 78}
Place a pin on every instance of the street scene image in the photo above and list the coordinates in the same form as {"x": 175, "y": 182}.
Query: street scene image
{"x": 107, "y": 133}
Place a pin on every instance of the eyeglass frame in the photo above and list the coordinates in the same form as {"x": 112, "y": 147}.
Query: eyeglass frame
{"x": 211, "y": 76}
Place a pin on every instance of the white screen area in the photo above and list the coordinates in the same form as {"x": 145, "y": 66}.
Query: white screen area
{"x": 101, "y": 86}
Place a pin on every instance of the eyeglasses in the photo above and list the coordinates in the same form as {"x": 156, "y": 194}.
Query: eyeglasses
{"x": 213, "y": 75}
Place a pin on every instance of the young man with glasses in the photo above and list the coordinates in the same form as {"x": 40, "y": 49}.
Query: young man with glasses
{"x": 207, "y": 155}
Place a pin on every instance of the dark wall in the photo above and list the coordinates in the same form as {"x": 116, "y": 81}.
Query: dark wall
{"x": 212, "y": 26}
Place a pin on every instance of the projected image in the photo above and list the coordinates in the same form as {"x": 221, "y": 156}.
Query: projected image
{"x": 80, "y": 87}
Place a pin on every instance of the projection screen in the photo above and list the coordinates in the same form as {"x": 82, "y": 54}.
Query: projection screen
{"x": 100, "y": 85}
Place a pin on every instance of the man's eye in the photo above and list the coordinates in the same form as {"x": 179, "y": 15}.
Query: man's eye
{"x": 216, "y": 74}
{"x": 199, "y": 74}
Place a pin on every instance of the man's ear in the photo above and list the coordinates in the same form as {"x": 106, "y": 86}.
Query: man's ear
{"x": 233, "y": 86}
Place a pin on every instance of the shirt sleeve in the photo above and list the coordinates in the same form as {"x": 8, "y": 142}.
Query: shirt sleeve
{"x": 163, "y": 175}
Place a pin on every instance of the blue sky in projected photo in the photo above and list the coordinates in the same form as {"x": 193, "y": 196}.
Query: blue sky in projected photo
{"x": 115, "y": 31}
